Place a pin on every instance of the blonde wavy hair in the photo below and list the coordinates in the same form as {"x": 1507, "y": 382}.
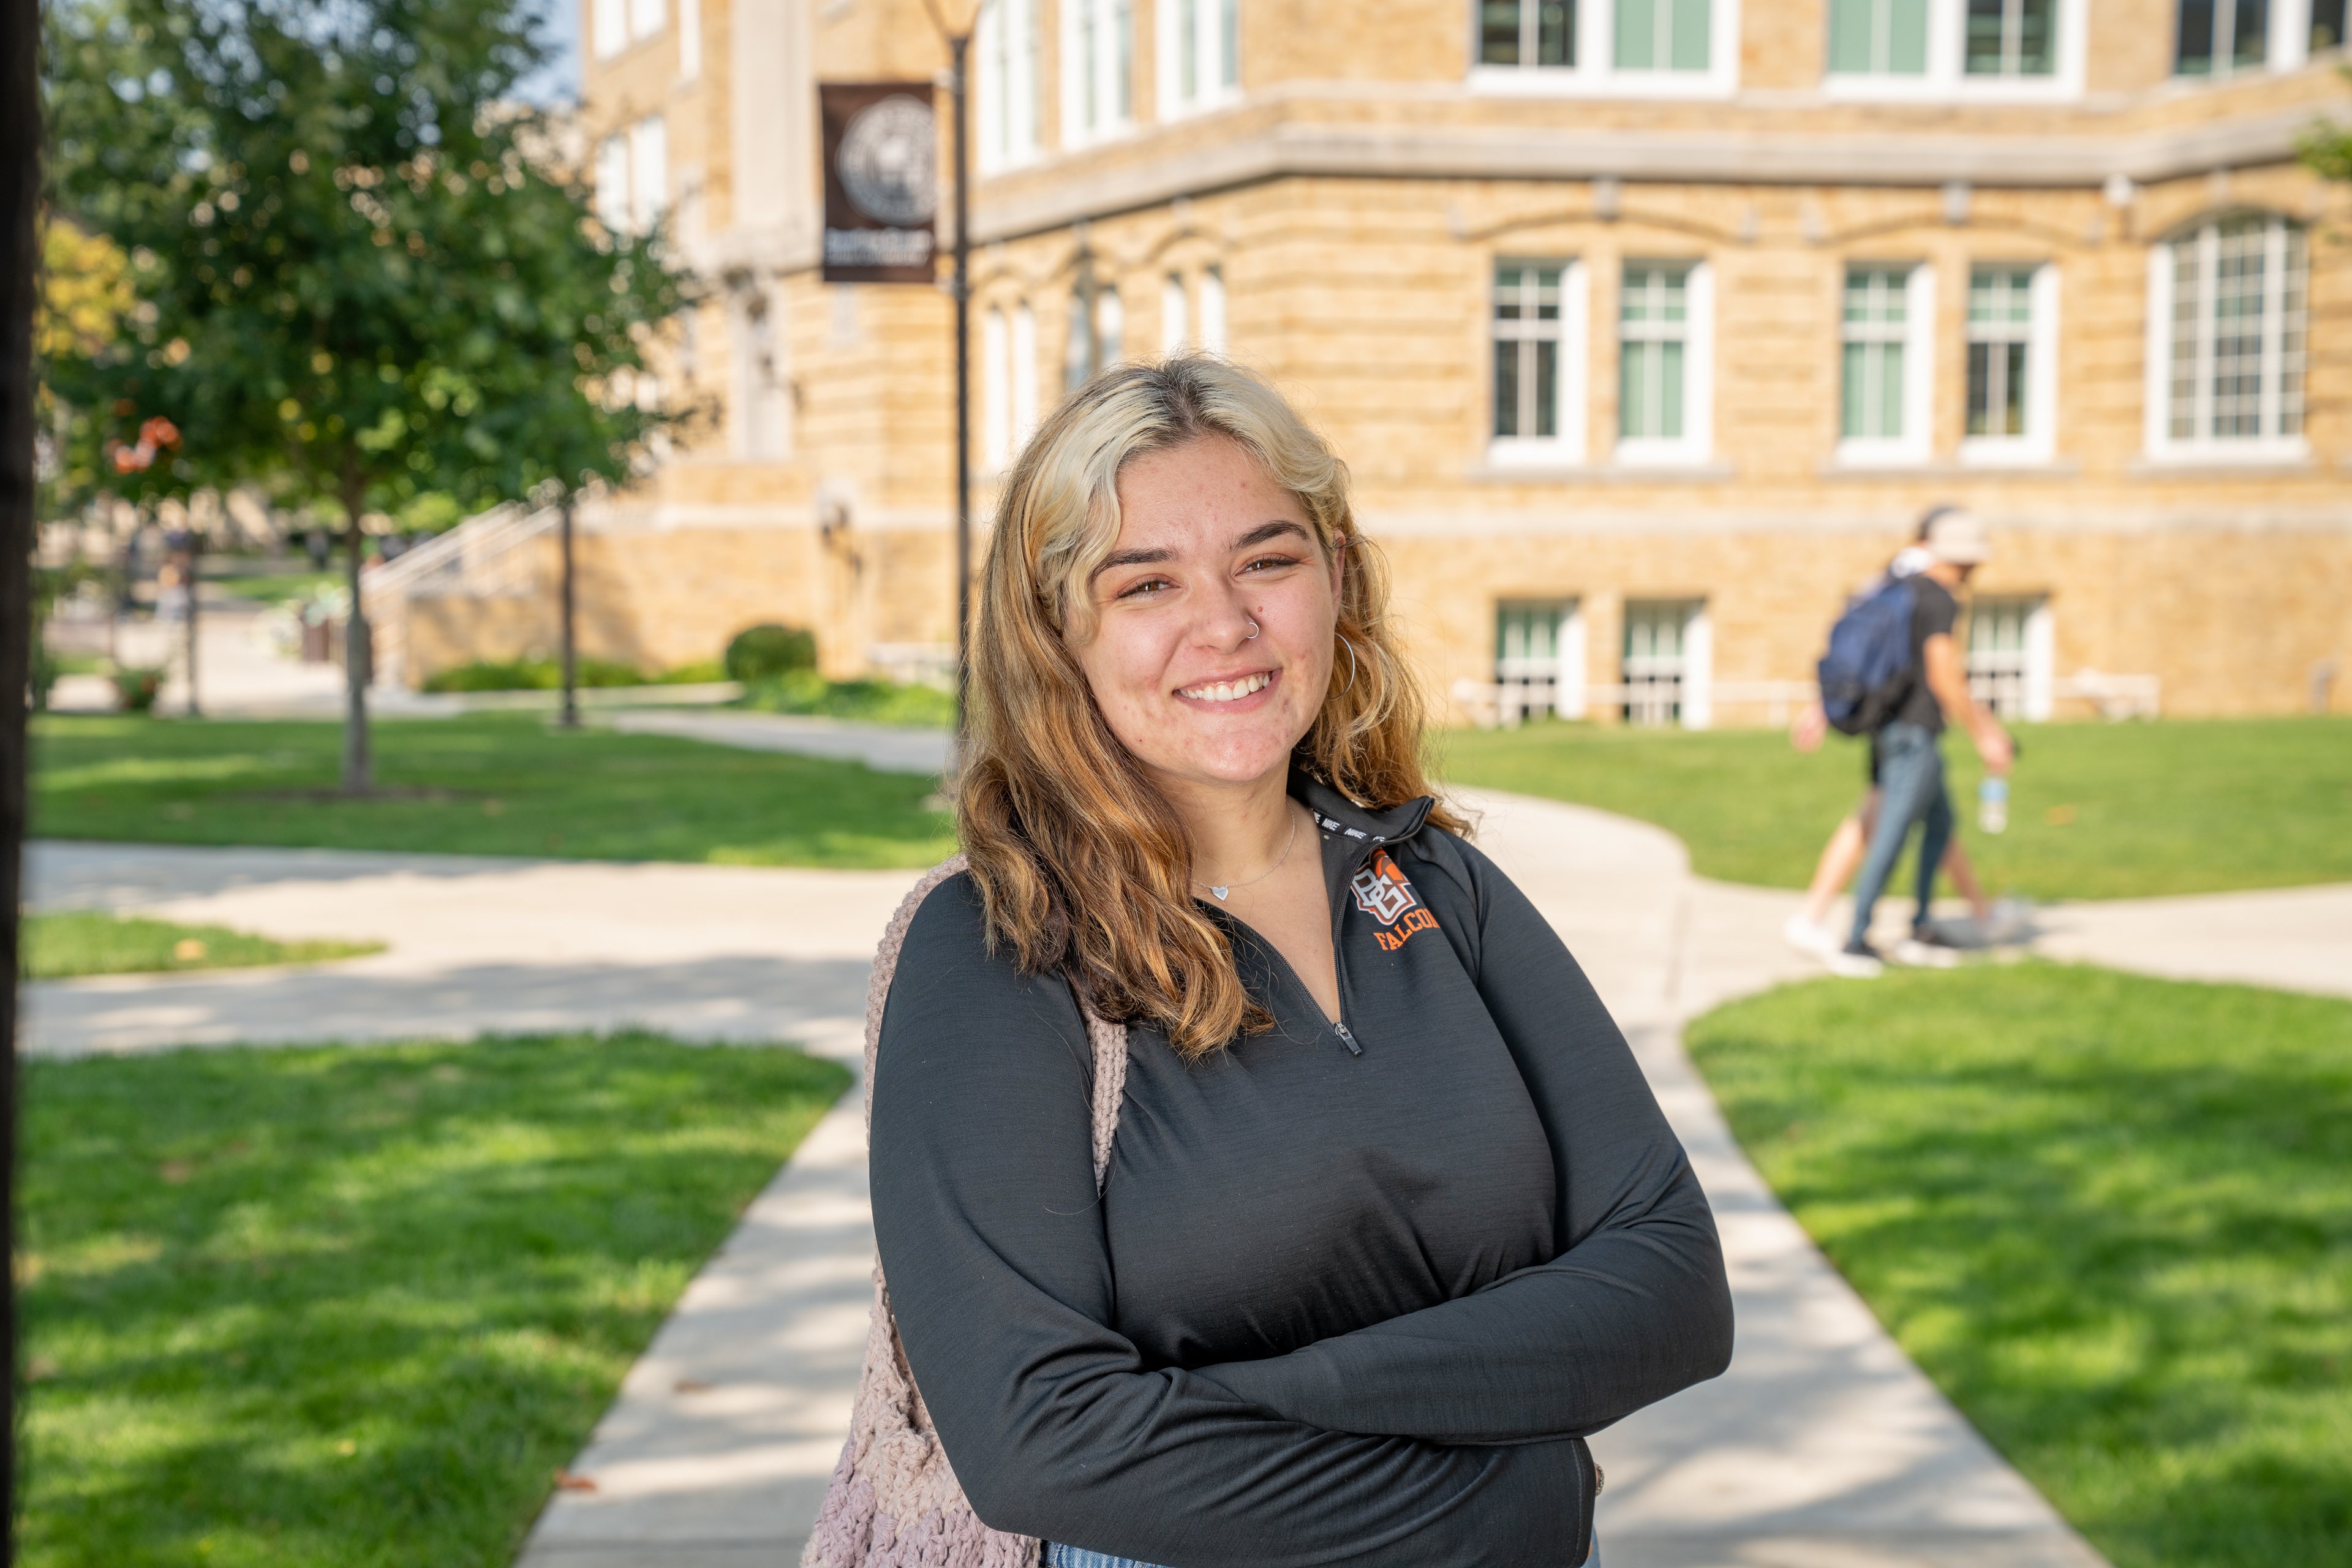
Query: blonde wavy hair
{"x": 1083, "y": 866}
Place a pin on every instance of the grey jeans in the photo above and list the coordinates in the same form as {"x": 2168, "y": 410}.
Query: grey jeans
{"x": 1060, "y": 1556}
{"x": 1911, "y": 789}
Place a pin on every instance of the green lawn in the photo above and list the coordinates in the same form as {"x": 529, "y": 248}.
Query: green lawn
{"x": 482, "y": 784}
{"x": 73, "y": 943}
{"x": 327, "y": 1308}
{"x": 2111, "y": 1216}
{"x": 273, "y": 587}
{"x": 2097, "y": 810}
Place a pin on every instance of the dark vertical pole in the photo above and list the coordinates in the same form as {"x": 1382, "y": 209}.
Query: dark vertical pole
{"x": 20, "y": 194}
{"x": 959, "y": 45}
{"x": 195, "y": 552}
{"x": 570, "y": 718}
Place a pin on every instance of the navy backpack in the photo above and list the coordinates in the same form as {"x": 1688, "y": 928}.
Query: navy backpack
{"x": 1867, "y": 671}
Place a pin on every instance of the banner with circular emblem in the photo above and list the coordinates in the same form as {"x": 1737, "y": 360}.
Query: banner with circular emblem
{"x": 881, "y": 181}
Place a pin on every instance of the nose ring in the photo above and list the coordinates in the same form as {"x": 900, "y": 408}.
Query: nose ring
{"x": 1254, "y": 629}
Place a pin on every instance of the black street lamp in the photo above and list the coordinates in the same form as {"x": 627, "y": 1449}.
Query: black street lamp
{"x": 955, "y": 22}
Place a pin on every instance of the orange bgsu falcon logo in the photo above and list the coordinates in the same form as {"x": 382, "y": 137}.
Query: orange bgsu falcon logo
{"x": 1383, "y": 893}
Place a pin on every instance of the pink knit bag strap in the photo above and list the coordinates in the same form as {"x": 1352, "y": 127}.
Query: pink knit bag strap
{"x": 1108, "y": 1039}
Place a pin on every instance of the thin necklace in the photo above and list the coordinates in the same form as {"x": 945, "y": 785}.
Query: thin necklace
{"x": 1221, "y": 888}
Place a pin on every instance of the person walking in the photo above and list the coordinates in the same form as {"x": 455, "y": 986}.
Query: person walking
{"x": 1370, "y": 1216}
{"x": 1907, "y": 747}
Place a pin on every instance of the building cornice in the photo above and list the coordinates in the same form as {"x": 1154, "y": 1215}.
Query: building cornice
{"x": 1088, "y": 186}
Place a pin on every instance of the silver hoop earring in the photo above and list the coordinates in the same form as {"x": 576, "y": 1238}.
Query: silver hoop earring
{"x": 1251, "y": 635}
{"x": 1352, "y": 666}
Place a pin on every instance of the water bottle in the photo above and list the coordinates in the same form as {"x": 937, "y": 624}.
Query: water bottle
{"x": 1992, "y": 803}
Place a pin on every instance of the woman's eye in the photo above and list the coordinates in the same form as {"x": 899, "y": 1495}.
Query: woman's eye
{"x": 1268, "y": 562}
{"x": 1146, "y": 588}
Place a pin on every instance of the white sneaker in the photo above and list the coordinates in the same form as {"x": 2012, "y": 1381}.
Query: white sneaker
{"x": 1917, "y": 954}
{"x": 1851, "y": 965}
{"x": 1812, "y": 940}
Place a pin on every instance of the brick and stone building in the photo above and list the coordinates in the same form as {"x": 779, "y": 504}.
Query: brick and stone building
{"x": 1646, "y": 326}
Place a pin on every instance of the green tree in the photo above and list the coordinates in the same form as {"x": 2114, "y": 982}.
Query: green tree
{"x": 362, "y": 272}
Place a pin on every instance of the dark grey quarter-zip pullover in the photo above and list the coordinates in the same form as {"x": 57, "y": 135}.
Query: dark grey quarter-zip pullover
{"x": 1352, "y": 1293}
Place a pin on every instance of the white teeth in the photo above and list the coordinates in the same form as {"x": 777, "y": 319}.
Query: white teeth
{"x": 1228, "y": 691}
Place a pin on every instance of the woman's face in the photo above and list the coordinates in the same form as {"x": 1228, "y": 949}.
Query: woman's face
{"x": 1209, "y": 546}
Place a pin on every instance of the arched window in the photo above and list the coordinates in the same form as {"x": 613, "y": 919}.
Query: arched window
{"x": 2227, "y": 330}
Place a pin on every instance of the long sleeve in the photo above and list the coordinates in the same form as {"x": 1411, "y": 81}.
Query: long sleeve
{"x": 991, "y": 1239}
{"x": 1633, "y": 1309}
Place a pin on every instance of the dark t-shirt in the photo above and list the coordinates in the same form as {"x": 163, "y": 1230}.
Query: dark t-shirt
{"x": 1934, "y": 612}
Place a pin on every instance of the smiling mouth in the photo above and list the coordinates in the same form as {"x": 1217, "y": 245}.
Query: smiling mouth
{"x": 1228, "y": 691}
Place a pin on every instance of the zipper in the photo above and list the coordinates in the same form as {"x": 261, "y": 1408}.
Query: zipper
{"x": 1348, "y": 1040}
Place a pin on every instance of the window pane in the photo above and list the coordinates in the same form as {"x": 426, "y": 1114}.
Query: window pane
{"x": 2188, "y": 313}
{"x": 1498, "y": 33}
{"x": 1889, "y": 390}
{"x": 2011, "y": 410}
{"x": 1853, "y": 33}
{"x": 1546, "y": 374}
{"x": 1123, "y": 89}
{"x": 1229, "y": 42}
{"x": 2327, "y": 24}
{"x": 1907, "y": 37}
{"x": 1981, "y": 388}
{"x": 2194, "y": 53}
{"x": 1638, "y": 22}
{"x": 2250, "y": 39}
{"x": 1852, "y": 421}
{"x": 1636, "y": 391}
{"x": 2035, "y": 48}
{"x": 1669, "y": 391}
{"x": 2292, "y": 304}
{"x": 2010, "y": 38}
{"x": 1688, "y": 50}
{"x": 1188, "y": 49}
{"x": 1506, "y": 388}
{"x": 1556, "y": 33}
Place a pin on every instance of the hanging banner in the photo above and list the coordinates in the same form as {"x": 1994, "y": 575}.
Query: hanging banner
{"x": 881, "y": 181}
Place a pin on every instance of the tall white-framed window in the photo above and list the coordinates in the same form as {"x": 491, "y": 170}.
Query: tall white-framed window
{"x": 608, "y": 27}
{"x": 1668, "y": 661}
{"x": 1886, "y": 372}
{"x": 2015, "y": 51}
{"x": 1212, "y": 310}
{"x": 1199, "y": 51}
{"x": 1005, "y": 48}
{"x": 2228, "y": 325}
{"x": 1635, "y": 49}
{"x": 2009, "y": 657}
{"x": 1097, "y": 345}
{"x": 1538, "y": 344}
{"x": 1538, "y": 658}
{"x": 2013, "y": 370}
{"x": 1665, "y": 373}
{"x": 613, "y": 182}
{"x": 648, "y": 172}
{"x": 690, "y": 39}
{"x": 1024, "y": 375}
{"x": 1097, "y": 70}
{"x": 1175, "y": 328}
{"x": 2228, "y": 37}
{"x": 996, "y": 389}
{"x": 646, "y": 18}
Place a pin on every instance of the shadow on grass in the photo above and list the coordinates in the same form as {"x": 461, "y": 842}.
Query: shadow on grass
{"x": 2111, "y": 1216}
{"x": 336, "y": 1306}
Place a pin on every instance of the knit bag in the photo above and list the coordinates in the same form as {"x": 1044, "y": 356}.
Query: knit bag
{"x": 893, "y": 1502}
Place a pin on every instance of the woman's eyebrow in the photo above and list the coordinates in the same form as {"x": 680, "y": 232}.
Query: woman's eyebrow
{"x": 1265, "y": 531}
{"x": 1132, "y": 558}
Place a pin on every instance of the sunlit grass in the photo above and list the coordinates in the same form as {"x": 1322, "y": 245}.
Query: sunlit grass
{"x": 74, "y": 942}
{"x": 331, "y": 1307}
{"x": 2111, "y": 1216}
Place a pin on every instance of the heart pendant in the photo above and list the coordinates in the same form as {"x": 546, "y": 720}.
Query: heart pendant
{"x": 1220, "y": 892}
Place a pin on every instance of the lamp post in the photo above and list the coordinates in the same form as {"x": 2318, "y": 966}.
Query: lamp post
{"x": 955, "y": 22}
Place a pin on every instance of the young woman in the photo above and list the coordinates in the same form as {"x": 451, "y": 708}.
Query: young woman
{"x": 1392, "y": 1220}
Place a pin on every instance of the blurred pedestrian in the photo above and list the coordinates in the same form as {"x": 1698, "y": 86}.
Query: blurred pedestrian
{"x": 1932, "y": 691}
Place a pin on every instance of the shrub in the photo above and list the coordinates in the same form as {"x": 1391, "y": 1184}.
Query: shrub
{"x": 769, "y": 651}
{"x": 137, "y": 687}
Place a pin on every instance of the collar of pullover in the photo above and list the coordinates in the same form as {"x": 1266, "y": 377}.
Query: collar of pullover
{"x": 1361, "y": 829}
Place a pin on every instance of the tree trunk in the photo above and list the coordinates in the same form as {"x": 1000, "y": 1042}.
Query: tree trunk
{"x": 570, "y": 718}
{"x": 20, "y": 195}
{"x": 359, "y": 764}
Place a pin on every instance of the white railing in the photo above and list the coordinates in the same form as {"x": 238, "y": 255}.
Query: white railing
{"x": 482, "y": 557}
{"x": 1501, "y": 703}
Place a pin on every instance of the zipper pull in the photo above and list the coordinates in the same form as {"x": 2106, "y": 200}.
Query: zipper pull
{"x": 1349, "y": 1040}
